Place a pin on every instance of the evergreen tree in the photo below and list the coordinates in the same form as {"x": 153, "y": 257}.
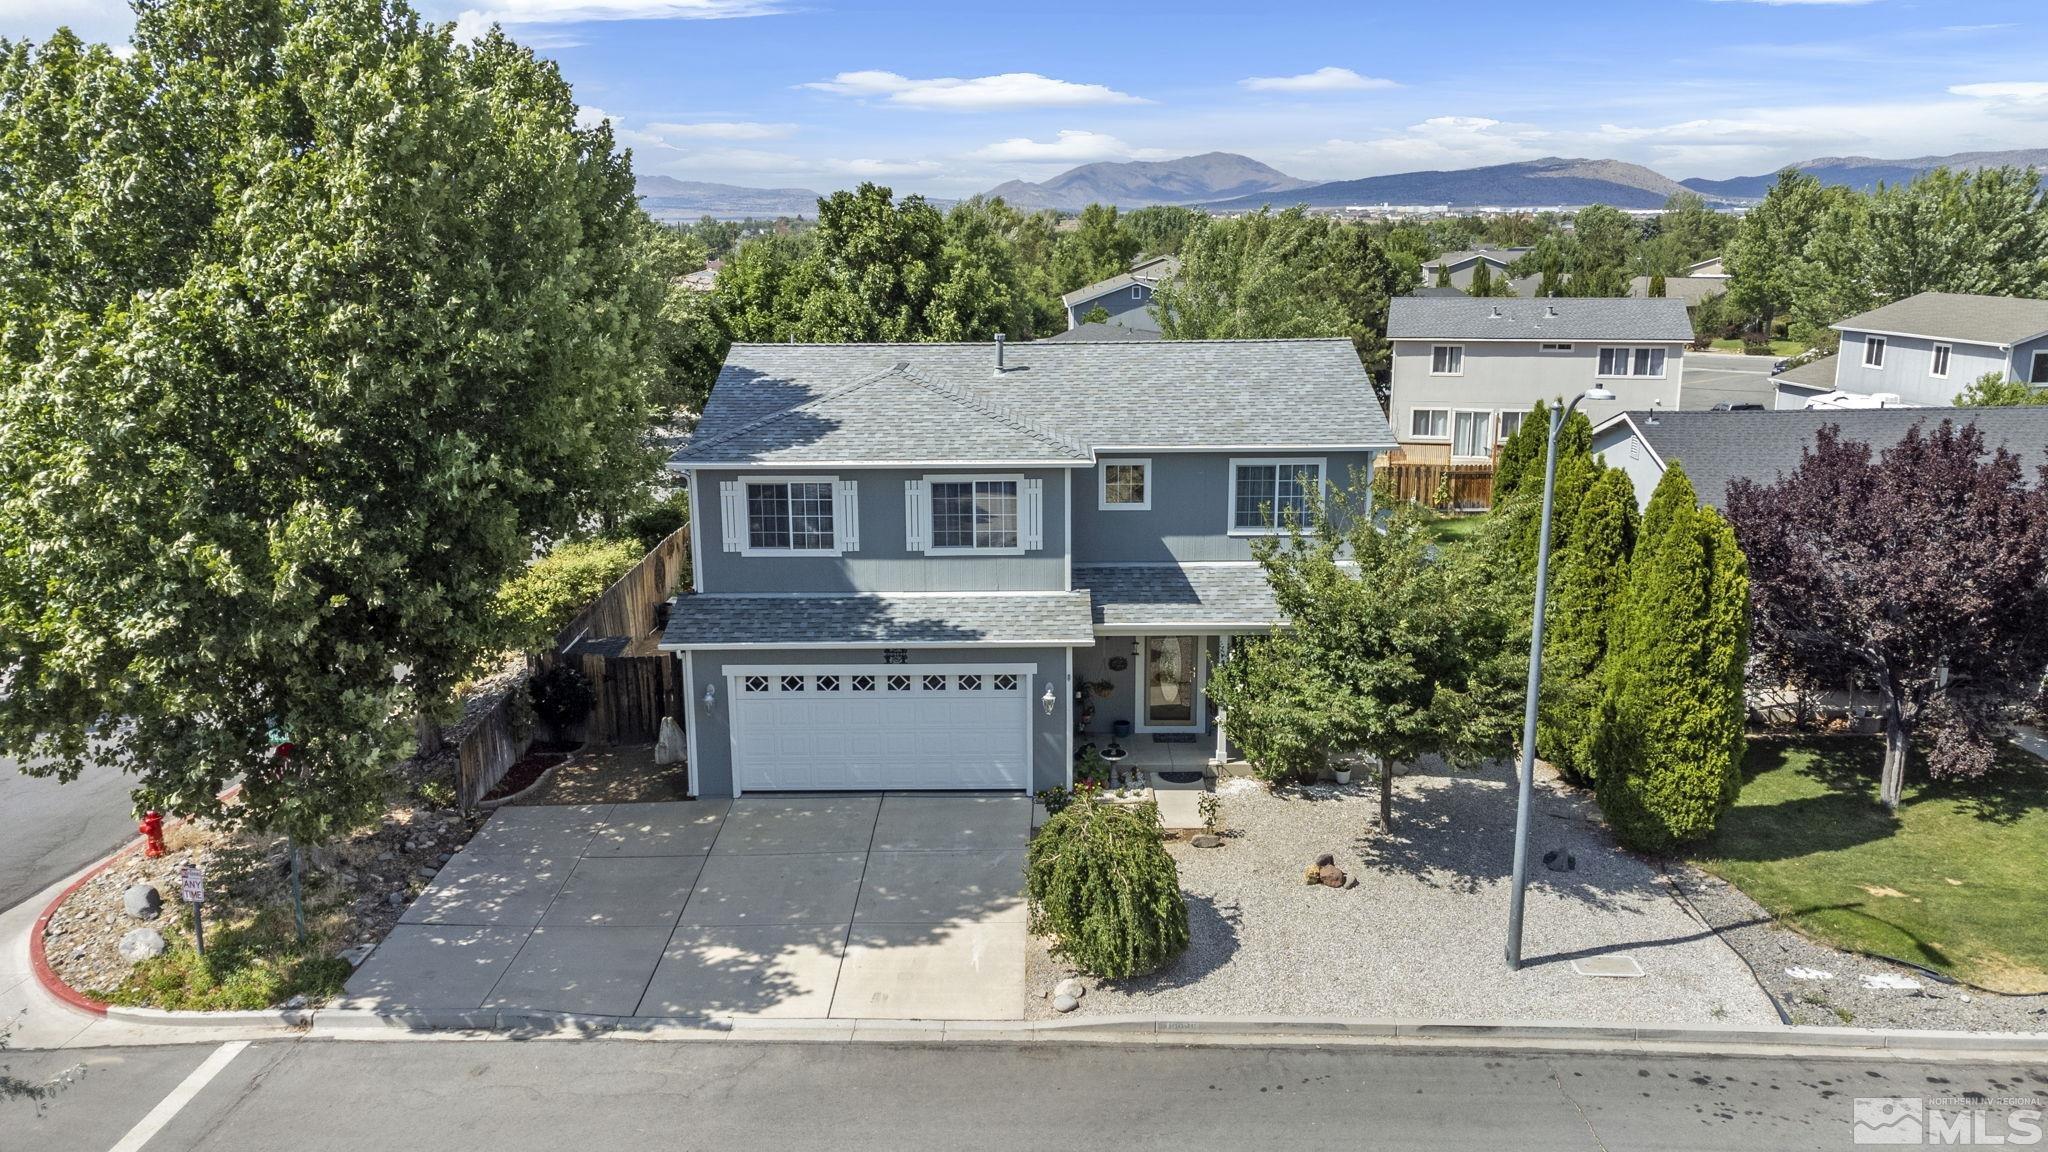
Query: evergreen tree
{"x": 1511, "y": 467}
{"x": 1482, "y": 280}
{"x": 1657, "y": 286}
{"x": 1592, "y": 572}
{"x": 1443, "y": 274}
{"x": 1667, "y": 749}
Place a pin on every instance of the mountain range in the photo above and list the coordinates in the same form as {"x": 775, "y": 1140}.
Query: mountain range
{"x": 1227, "y": 182}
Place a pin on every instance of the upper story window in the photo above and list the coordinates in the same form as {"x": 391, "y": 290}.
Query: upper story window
{"x": 1137, "y": 291}
{"x": 2038, "y": 373}
{"x": 789, "y": 515}
{"x": 974, "y": 515}
{"x": 1429, "y": 424}
{"x": 1126, "y": 485}
{"x": 1940, "y": 365}
{"x": 1632, "y": 362}
{"x": 1269, "y": 495}
{"x": 1557, "y": 347}
{"x": 1873, "y": 351}
{"x": 1447, "y": 360}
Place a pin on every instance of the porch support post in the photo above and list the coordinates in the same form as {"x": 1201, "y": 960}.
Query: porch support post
{"x": 1222, "y": 754}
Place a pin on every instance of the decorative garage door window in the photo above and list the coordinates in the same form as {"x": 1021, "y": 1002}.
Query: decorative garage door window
{"x": 869, "y": 728}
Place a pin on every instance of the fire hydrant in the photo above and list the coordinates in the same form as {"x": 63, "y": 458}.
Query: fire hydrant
{"x": 152, "y": 829}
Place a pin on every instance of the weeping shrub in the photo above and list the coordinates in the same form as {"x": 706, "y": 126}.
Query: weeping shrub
{"x": 1103, "y": 886}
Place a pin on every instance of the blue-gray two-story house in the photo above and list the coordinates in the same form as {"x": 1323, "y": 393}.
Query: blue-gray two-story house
{"x": 942, "y": 566}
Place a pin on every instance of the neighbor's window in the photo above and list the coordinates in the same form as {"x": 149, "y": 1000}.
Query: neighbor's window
{"x": 1557, "y": 347}
{"x": 974, "y": 514}
{"x": 1273, "y": 493}
{"x": 1126, "y": 484}
{"x": 1447, "y": 360}
{"x": 1940, "y": 367}
{"x": 1632, "y": 362}
{"x": 1873, "y": 351}
{"x": 1429, "y": 423}
{"x": 1468, "y": 433}
{"x": 2039, "y": 374}
{"x": 794, "y": 515}
{"x": 1511, "y": 423}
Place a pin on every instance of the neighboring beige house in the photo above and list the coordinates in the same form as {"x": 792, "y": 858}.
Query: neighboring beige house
{"x": 1466, "y": 371}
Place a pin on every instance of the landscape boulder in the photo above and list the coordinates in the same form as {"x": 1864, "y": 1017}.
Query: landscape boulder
{"x": 142, "y": 944}
{"x": 143, "y": 901}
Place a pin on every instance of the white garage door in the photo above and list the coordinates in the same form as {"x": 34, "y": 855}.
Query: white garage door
{"x": 865, "y": 727}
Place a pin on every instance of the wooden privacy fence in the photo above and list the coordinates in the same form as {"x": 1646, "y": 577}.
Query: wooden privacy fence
{"x": 627, "y": 608}
{"x": 488, "y": 749}
{"x": 1437, "y": 485}
{"x": 633, "y": 694}
{"x": 613, "y": 642}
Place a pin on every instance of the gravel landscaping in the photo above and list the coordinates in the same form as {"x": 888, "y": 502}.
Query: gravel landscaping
{"x": 1422, "y": 933}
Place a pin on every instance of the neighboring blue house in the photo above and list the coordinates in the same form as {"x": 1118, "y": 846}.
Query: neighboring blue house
{"x": 1127, "y": 297}
{"x": 1924, "y": 349}
{"x": 942, "y": 566}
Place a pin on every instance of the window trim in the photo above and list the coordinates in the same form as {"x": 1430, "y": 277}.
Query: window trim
{"x": 1458, "y": 348}
{"x": 1500, "y": 436}
{"x": 1137, "y": 291}
{"x": 1555, "y": 348}
{"x": 747, "y": 547}
{"x": 1102, "y": 467}
{"x": 931, "y": 511}
{"x": 1877, "y": 345}
{"x": 1631, "y": 350}
{"x": 1942, "y": 356}
{"x": 1487, "y": 439}
{"x": 1422, "y": 439}
{"x": 1322, "y": 464}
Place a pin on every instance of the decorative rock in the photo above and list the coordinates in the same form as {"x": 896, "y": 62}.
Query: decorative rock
{"x": 143, "y": 902}
{"x": 1070, "y": 987}
{"x": 1326, "y": 860}
{"x": 424, "y": 872}
{"x": 1558, "y": 861}
{"x": 1207, "y": 841}
{"x": 1331, "y": 876}
{"x": 1064, "y": 1003}
{"x": 396, "y": 899}
{"x": 142, "y": 944}
{"x": 298, "y": 1001}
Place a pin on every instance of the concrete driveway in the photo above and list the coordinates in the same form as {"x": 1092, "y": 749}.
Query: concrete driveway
{"x": 857, "y": 907}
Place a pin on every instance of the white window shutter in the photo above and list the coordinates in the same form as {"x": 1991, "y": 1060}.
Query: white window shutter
{"x": 1033, "y": 517}
{"x": 732, "y": 515}
{"x": 846, "y": 515}
{"x": 914, "y": 518}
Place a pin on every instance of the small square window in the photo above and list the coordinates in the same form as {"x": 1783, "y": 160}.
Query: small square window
{"x": 1447, "y": 360}
{"x": 863, "y": 683}
{"x": 1005, "y": 682}
{"x": 970, "y": 683}
{"x": 828, "y": 683}
{"x": 792, "y": 683}
{"x": 899, "y": 683}
{"x": 755, "y": 683}
{"x": 935, "y": 683}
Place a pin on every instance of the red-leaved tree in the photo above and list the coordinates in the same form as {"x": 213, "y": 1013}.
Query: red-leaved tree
{"x": 1923, "y": 573}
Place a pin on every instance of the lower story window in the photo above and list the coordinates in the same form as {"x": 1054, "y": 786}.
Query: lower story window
{"x": 1511, "y": 423}
{"x": 1429, "y": 423}
{"x": 1469, "y": 434}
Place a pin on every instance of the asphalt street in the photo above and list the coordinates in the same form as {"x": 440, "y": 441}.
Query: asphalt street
{"x": 50, "y": 830}
{"x": 1721, "y": 378}
{"x": 307, "y": 1096}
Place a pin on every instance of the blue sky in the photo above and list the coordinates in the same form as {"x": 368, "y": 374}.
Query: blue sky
{"x": 952, "y": 98}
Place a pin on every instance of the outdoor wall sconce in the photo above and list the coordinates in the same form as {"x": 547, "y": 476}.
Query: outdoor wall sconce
{"x": 710, "y": 695}
{"x": 1048, "y": 701}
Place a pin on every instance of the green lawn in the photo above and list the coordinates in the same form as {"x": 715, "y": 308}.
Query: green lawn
{"x": 1955, "y": 883}
{"x": 1451, "y": 528}
{"x": 1778, "y": 347}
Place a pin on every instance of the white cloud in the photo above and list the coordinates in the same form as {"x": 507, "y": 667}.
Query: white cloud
{"x": 104, "y": 21}
{"x": 1071, "y": 147}
{"x": 1008, "y": 90}
{"x": 869, "y": 168}
{"x": 1438, "y": 142}
{"x": 473, "y": 22}
{"x": 2005, "y": 92}
{"x": 1320, "y": 80}
{"x": 722, "y": 130}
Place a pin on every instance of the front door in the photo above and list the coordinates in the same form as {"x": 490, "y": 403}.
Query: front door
{"x": 1172, "y": 684}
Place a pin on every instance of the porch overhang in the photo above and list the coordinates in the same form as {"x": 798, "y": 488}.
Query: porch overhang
{"x": 1179, "y": 598}
{"x": 701, "y": 622}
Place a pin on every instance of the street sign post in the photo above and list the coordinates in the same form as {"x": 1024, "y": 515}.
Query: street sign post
{"x": 192, "y": 886}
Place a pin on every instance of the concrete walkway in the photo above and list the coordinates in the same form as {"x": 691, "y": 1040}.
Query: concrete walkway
{"x": 852, "y": 907}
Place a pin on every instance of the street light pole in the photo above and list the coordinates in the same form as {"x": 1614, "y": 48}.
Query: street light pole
{"x": 1527, "y": 785}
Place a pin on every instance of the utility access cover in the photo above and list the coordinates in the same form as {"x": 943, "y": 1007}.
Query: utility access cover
{"x": 1613, "y": 966}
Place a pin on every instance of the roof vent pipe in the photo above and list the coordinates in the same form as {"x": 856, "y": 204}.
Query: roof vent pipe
{"x": 999, "y": 353}
{"x": 1496, "y": 311}
{"x": 1550, "y": 310}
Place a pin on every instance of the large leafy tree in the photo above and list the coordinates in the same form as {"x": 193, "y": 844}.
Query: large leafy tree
{"x": 1393, "y": 648}
{"x": 1667, "y": 747}
{"x": 1921, "y": 573}
{"x": 312, "y": 322}
{"x": 1766, "y": 258}
{"x": 1602, "y": 251}
{"x": 874, "y": 269}
{"x": 1095, "y": 250}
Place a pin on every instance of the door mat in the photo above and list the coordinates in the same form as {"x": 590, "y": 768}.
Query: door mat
{"x": 1179, "y": 777}
{"x": 1173, "y": 737}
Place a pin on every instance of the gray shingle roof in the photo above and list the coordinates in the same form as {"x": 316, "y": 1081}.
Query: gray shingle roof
{"x": 1457, "y": 260}
{"x": 1691, "y": 289}
{"x": 1996, "y": 320}
{"x": 1147, "y": 272}
{"x": 873, "y": 419}
{"x": 1717, "y": 447}
{"x": 833, "y": 403}
{"x": 1813, "y": 374}
{"x": 1559, "y": 318}
{"x": 1058, "y": 619}
{"x": 1105, "y": 333}
{"x": 1235, "y": 594}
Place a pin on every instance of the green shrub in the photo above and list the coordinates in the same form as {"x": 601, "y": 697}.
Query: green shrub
{"x": 1103, "y": 886}
{"x": 660, "y": 520}
{"x": 535, "y": 604}
{"x": 248, "y": 967}
{"x": 562, "y": 697}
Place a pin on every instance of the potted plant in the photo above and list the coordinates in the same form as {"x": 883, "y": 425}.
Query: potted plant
{"x": 1342, "y": 771}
